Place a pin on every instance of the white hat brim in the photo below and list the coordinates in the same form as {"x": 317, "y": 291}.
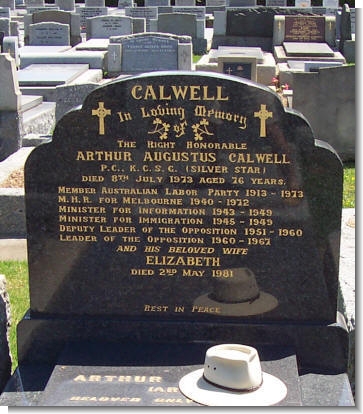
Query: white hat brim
{"x": 264, "y": 303}
{"x": 196, "y": 388}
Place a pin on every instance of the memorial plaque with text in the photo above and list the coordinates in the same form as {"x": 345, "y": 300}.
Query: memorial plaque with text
{"x": 305, "y": 29}
{"x": 184, "y": 195}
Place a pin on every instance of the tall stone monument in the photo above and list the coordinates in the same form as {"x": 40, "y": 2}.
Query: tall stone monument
{"x": 174, "y": 211}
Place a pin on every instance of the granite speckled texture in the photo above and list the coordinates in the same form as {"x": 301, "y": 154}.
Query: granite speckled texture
{"x": 158, "y": 186}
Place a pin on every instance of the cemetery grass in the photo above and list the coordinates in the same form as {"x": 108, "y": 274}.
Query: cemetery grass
{"x": 16, "y": 272}
{"x": 349, "y": 185}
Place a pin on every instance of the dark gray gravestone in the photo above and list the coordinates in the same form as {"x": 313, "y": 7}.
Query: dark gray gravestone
{"x": 252, "y": 26}
{"x": 71, "y": 385}
{"x": 152, "y": 197}
{"x": 173, "y": 211}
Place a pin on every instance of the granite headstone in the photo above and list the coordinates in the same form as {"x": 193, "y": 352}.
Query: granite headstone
{"x": 170, "y": 208}
{"x": 170, "y": 212}
{"x": 102, "y": 27}
{"x": 158, "y": 53}
{"x": 49, "y": 34}
{"x": 5, "y": 12}
{"x": 5, "y": 26}
{"x": 66, "y": 5}
{"x": 8, "y": 3}
{"x": 146, "y": 13}
{"x": 58, "y": 16}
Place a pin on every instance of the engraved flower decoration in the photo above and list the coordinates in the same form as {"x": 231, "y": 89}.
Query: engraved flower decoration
{"x": 200, "y": 129}
{"x": 161, "y": 128}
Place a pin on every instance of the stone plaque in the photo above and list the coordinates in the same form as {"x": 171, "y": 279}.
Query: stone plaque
{"x": 244, "y": 67}
{"x": 179, "y": 196}
{"x": 149, "y": 53}
{"x": 139, "y": 384}
{"x": 304, "y": 29}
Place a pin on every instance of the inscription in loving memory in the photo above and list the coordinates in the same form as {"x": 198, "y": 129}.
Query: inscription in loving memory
{"x": 182, "y": 200}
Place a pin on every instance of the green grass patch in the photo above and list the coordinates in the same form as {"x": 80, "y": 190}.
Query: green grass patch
{"x": 196, "y": 58}
{"x": 16, "y": 274}
{"x": 349, "y": 185}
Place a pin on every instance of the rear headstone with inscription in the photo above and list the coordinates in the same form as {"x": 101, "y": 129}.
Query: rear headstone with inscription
{"x": 173, "y": 211}
{"x": 58, "y": 16}
{"x": 146, "y": 13}
{"x": 149, "y": 52}
{"x": 184, "y": 24}
{"x": 102, "y": 27}
{"x": 49, "y": 34}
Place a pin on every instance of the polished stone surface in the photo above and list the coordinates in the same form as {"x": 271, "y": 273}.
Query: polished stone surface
{"x": 73, "y": 382}
{"x": 182, "y": 209}
{"x": 150, "y": 377}
{"x": 270, "y": 203}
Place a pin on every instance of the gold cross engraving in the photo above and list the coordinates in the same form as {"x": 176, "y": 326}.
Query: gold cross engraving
{"x": 263, "y": 114}
{"x": 101, "y": 112}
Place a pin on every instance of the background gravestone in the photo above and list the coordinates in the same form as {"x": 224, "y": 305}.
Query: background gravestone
{"x": 184, "y": 24}
{"x": 8, "y": 3}
{"x": 49, "y": 34}
{"x": 66, "y": 5}
{"x": 5, "y": 26}
{"x": 10, "y": 101}
{"x": 158, "y": 54}
{"x": 5, "y": 12}
{"x": 148, "y": 52}
{"x": 102, "y": 27}
{"x": 146, "y": 13}
{"x": 331, "y": 111}
{"x": 57, "y": 16}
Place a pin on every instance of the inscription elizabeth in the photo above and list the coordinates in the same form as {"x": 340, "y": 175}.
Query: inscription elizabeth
{"x": 177, "y": 184}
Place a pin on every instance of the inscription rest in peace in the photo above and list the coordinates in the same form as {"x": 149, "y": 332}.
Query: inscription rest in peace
{"x": 172, "y": 185}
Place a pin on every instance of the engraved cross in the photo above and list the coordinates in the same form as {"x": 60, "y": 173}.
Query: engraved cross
{"x": 101, "y": 112}
{"x": 263, "y": 114}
